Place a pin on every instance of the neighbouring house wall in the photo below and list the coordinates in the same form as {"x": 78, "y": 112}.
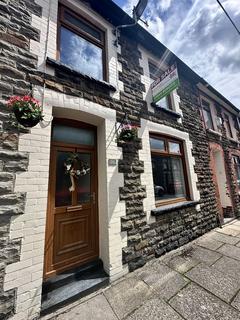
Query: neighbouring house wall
{"x": 148, "y": 236}
{"x": 229, "y": 146}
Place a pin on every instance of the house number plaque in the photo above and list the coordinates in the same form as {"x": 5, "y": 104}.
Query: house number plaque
{"x": 112, "y": 162}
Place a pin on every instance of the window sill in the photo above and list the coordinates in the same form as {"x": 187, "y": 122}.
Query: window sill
{"x": 214, "y": 132}
{"x": 233, "y": 140}
{"x": 172, "y": 207}
{"x": 167, "y": 111}
{"x": 62, "y": 67}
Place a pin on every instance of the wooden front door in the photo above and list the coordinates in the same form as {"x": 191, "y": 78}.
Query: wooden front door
{"x": 72, "y": 219}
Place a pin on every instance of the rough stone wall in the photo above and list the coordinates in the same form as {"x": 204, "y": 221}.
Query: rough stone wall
{"x": 15, "y": 62}
{"x": 11, "y": 203}
{"x": 173, "y": 229}
{"x": 192, "y": 122}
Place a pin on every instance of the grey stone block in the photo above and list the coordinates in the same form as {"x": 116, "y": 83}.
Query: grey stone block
{"x": 7, "y": 304}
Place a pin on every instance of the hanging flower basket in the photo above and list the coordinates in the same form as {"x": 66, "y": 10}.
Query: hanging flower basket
{"x": 128, "y": 133}
{"x": 27, "y": 110}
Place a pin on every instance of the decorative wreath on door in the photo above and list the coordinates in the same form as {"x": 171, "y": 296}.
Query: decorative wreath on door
{"x": 75, "y": 168}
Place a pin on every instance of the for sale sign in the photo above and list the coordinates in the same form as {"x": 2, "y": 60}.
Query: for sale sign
{"x": 164, "y": 85}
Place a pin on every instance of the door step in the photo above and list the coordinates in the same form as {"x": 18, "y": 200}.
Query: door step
{"x": 72, "y": 285}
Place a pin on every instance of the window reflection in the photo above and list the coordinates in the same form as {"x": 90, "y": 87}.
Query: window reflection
{"x": 83, "y": 26}
{"x": 62, "y": 133}
{"x": 168, "y": 177}
{"x": 63, "y": 195}
{"x": 174, "y": 147}
{"x": 80, "y": 54}
{"x": 207, "y": 115}
{"x": 84, "y": 179}
{"x": 157, "y": 144}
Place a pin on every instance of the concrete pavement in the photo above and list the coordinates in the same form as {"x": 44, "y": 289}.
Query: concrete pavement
{"x": 200, "y": 281}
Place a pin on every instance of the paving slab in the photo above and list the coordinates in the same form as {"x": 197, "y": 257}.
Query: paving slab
{"x": 155, "y": 309}
{"x": 228, "y": 230}
{"x": 237, "y": 244}
{"x": 221, "y": 237}
{"x": 236, "y": 302}
{"x": 125, "y": 296}
{"x": 236, "y": 222}
{"x": 218, "y": 283}
{"x": 209, "y": 243}
{"x": 96, "y": 308}
{"x": 200, "y": 254}
{"x": 165, "y": 281}
{"x": 228, "y": 266}
{"x": 195, "y": 303}
{"x": 230, "y": 251}
{"x": 179, "y": 263}
{"x": 233, "y": 226}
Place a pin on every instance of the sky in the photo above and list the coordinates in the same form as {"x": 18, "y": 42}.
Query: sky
{"x": 200, "y": 34}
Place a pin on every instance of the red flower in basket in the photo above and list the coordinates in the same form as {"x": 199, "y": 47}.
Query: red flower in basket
{"x": 128, "y": 132}
{"x": 27, "y": 110}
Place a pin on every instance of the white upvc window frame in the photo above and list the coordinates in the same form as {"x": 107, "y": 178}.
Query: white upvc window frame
{"x": 213, "y": 112}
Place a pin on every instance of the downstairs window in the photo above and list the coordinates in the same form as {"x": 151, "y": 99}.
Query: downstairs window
{"x": 169, "y": 170}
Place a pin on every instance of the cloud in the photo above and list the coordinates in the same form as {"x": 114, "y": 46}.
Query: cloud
{"x": 128, "y": 7}
{"x": 201, "y": 35}
{"x": 211, "y": 46}
{"x": 165, "y": 4}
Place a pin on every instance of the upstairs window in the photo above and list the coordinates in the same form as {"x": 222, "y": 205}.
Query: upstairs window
{"x": 155, "y": 73}
{"x": 169, "y": 172}
{"x": 81, "y": 45}
{"x": 227, "y": 126}
{"x": 207, "y": 114}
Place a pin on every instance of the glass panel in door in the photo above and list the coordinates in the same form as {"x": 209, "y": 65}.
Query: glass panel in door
{"x": 84, "y": 168}
{"x": 63, "y": 196}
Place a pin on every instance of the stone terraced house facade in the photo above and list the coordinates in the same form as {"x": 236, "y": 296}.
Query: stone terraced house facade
{"x": 177, "y": 180}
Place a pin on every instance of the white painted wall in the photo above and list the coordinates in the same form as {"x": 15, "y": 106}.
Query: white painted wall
{"x": 26, "y": 275}
{"x": 110, "y": 207}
